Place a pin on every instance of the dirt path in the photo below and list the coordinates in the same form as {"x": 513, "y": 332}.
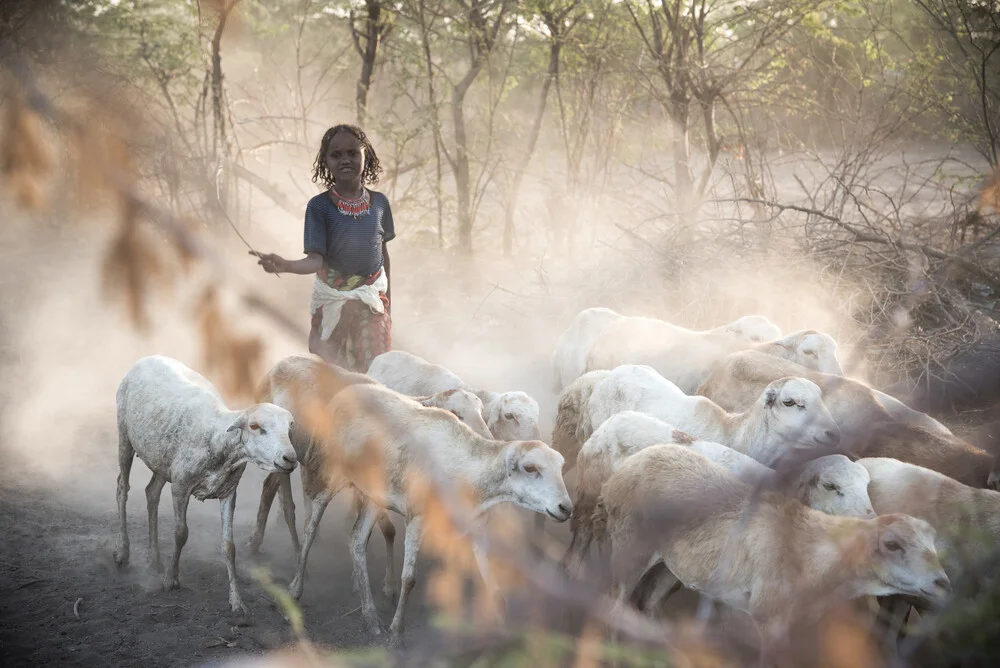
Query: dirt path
{"x": 56, "y": 549}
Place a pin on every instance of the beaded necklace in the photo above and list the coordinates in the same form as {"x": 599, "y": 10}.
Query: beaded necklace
{"x": 355, "y": 207}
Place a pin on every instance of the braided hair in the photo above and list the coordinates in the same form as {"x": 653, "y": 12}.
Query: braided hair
{"x": 372, "y": 168}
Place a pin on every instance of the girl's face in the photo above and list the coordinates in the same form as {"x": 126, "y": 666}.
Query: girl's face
{"x": 345, "y": 158}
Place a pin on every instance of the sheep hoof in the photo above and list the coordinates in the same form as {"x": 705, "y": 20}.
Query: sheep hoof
{"x": 390, "y": 591}
{"x": 253, "y": 545}
{"x": 295, "y": 588}
{"x": 374, "y": 627}
{"x": 121, "y": 558}
{"x": 238, "y": 608}
{"x": 169, "y": 585}
{"x": 396, "y": 640}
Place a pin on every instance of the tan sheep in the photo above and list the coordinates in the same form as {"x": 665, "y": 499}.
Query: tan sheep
{"x": 766, "y": 555}
{"x": 739, "y": 378}
{"x": 832, "y": 483}
{"x": 389, "y": 446}
{"x": 304, "y": 385}
{"x": 571, "y": 415}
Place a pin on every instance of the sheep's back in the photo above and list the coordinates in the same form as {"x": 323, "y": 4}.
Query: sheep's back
{"x": 163, "y": 405}
{"x": 945, "y": 454}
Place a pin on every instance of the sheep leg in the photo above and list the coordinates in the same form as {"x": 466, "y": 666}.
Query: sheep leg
{"x": 181, "y": 497}
{"x": 227, "y": 509}
{"x": 153, "y": 490}
{"x": 411, "y": 546}
{"x": 896, "y": 609}
{"x": 126, "y": 454}
{"x": 288, "y": 508}
{"x": 666, "y": 586}
{"x": 267, "y": 492}
{"x": 492, "y": 589}
{"x": 360, "y": 533}
{"x": 391, "y": 585}
{"x": 579, "y": 547}
{"x": 315, "y": 510}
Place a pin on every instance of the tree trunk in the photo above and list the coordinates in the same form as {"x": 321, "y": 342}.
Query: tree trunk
{"x": 436, "y": 121}
{"x": 462, "y": 176}
{"x": 679, "y": 112}
{"x": 372, "y": 34}
{"x": 536, "y": 128}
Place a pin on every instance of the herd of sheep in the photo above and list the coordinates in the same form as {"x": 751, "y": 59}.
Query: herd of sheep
{"x": 737, "y": 462}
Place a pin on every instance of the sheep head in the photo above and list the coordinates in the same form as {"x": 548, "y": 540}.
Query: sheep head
{"x": 534, "y": 474}
{"x": 836, "y": 485}
{"x": 798, "y": 414}
{"x": 513, "y": 416}
{"x": 755, "y": 328}
{"x": 814, "y": 350}
{"x": 262, "y": 430}
{"x": 464, "y": 405}
{"x": 904, "y": 559}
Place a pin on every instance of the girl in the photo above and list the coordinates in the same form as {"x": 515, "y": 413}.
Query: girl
{"x": 347, "y": 228}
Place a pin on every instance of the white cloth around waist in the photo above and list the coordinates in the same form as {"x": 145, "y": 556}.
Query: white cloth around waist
{"x": 332, "y": 301}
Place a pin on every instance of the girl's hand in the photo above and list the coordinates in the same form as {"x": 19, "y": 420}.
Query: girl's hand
{"x": 272, "y": 264}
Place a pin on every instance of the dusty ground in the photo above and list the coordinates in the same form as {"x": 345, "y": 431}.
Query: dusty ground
{"x": 56, "y": 550}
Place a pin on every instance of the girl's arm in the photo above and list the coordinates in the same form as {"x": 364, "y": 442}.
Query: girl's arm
{"x": 275, "y": 264}
{"x": 388, "y": 279}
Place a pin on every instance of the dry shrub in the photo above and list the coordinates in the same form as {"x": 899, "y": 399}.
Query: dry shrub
{"x": 235, "y": 360}
{"x": 131, "y": 266}
{"x": 25, "y": 161}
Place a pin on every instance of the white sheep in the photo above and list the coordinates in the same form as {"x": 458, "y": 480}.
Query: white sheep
{"x": 789, "y": 413}
{"x": 569, "y": 357}
{"x": 832, "y": 484}
{"x": 386, "y": 445}
{"x": 739, "y": 378}
{"x": 509, "y": 415}
{"x": 686, "y": 358}
{"x": 767, "y": 555}
{"x": 176, "y": 422}
{"x": 304, "y": 385}
{"x": 412, "y": 375}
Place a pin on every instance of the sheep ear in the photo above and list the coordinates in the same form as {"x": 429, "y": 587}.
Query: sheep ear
{"x": 812, "y": 482}
{"x": 239, "y": 425}
{"x": 770, "y": 397}
{"x": 513, "y": 458}
{"x": 492, "y": 413}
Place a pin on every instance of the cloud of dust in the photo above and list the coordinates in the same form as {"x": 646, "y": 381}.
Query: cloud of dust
{"x": 492, "y": 320}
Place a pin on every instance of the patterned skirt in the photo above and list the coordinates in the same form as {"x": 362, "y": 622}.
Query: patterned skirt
{"x": 360, "y": 336}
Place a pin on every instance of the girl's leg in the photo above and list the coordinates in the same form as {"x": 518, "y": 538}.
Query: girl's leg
{"x": 370, "y": 335}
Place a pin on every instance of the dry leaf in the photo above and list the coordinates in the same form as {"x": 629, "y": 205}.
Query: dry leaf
{"x": 131, "y": 266}
{"x": 989, "y": 196}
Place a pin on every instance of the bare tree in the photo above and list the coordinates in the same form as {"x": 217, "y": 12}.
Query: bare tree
{"x": 481, "y": 24}
{"x": 368, "y": 32}
{"x": 701, "y": 49}
{"x": 969, "y": 33}
{"x": 559, "y": 19}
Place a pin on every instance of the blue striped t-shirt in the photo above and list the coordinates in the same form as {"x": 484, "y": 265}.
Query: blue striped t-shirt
{"x": 352, "y": 246}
